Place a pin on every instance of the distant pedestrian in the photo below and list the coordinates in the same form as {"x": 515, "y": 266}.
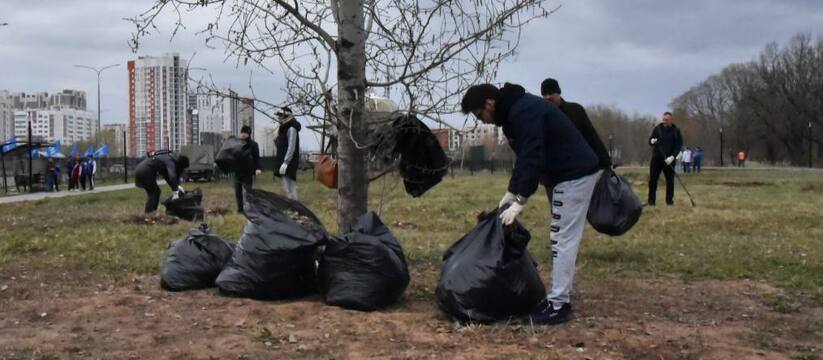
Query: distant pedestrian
{"x": 665, "y": 140}
{"x": 741, "y": 159}
{"x": 88, "y": 168}
{"x": 51, "y": 175}
{"x": 287, "y": 151}
{"x": 687, "y": 160}
{"x": 168, "y": 166}
{"x": 74, "y": 174}
{"x": 697, "y": 160}
{"x": 244, "y": 178}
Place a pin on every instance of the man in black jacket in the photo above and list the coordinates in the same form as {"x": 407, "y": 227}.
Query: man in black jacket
{"x": 666, "y": 142}
{"x": 165, "y": 164}
{"x": 550, "y": 89}
{"x": 549, "y": 150}
{"x": 244, "y": 180}
{"x": 287, "y": 151}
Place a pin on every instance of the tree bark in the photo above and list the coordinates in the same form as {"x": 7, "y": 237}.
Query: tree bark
{"x": 352, "y": 183}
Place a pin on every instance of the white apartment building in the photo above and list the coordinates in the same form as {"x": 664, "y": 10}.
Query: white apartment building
{"x": 219, "y": 113}
{"x": 66, "y": 125}
{"x": 6, "y": 116}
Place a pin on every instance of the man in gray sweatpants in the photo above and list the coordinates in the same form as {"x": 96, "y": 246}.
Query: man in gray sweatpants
{"x": 287, "y": 151}
{"x": 551, "y": 151}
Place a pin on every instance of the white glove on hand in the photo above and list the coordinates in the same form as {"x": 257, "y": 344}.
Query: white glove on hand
{"x": 669, "y": 160}
{"x": 679, "y": 156}
{"x": 257, "y": 172}
{"x": 180, "y": 189}
{"x": 506, "y": 200}
{"x": 176, "y": 195}
{"x": 511, "y": 213}
{"x": 653, "y": 141}
{"x": 283, "y": 169}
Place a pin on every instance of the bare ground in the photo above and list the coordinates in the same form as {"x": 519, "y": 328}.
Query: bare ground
{"x": 79, "y": 315}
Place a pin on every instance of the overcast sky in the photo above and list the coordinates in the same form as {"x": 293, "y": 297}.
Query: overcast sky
{"x": 634, "y": 54}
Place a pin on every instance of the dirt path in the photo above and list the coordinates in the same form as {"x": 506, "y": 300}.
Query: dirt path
{"x": 64, "y": 316}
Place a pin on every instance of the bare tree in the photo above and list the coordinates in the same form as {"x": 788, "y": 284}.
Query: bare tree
{"x": 423, "y": 52}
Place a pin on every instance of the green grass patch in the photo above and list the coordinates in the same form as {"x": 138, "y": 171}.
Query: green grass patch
{"x": 748, "y": 224}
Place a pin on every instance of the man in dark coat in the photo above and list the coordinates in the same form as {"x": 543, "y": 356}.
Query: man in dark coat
{"x": 165, "y": 164}
{"x": 550, "y": 89}
{"x": 550, "y": 150}
{"x": 244, "y": 180}
{"x": 287, "y": 147}
{"x": 666, "y": 142}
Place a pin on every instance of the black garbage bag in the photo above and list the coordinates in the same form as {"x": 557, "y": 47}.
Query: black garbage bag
{"x": 365, "y": 269}
{"x": 276, "y": 256}
{"x": 194, "y": 261}
{"x": 186, "y": 206}
{"x": 235, "y": 156}
{"x": 614, "y": 207}
{"x": 410, "y": 144}
{"x": 489, "y": 274}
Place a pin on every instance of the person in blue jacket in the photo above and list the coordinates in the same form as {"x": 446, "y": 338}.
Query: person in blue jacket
{"x": 551, "y": 151}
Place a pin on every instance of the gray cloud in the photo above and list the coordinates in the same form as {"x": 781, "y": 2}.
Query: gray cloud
{"x": 635, "y": 54}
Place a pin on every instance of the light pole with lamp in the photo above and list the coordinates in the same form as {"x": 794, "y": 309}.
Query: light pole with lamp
{"x": 99, "y": 72}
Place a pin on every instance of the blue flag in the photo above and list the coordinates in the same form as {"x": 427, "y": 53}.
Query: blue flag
{"x": 89, "y": 151}
{"x": 9, "y": 144}
{"x": 74, "y": 150}
{"x": 54, "y": 149}
{"x": 102, "y": 151}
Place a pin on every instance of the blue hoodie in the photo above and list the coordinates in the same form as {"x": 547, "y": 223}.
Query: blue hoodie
{"x": 549, "y": 148}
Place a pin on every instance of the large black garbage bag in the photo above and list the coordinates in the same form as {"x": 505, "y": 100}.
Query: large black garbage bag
{"x": 421, "y": 160}
{"x": 235, "y": 157}
{"x": 614, "y": 207}
{"x": 194, "y": 261}
{"x": 276, "y": 256}
{"x": 186, "y": 206}
{"x": 489, "y": 274}
{"x": 365, "y": 269}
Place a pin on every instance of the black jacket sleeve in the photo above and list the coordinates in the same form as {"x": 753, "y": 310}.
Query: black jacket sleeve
{"x": 255, "y": 155}
{"x": 172, "y": 178}
{"x": 528, "y": 135}
{"x": 678, "y": 142}
{"x": 590, "y": 134}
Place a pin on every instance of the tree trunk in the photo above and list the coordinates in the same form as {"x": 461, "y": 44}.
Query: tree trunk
{"x": 352, "y": 183}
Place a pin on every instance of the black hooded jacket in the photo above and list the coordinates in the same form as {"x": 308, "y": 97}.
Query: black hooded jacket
{"x": 548, "y": 146}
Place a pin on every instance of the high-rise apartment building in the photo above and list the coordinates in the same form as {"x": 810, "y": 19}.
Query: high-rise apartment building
{"x": 157, "y": 104}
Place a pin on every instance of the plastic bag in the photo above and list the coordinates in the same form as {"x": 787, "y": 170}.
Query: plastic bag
{"x": 276, "y": 256}
{"x": 365, "y": 269}
{"x": 614, "y": 207}
{"x": 489, "y": 274}
{"x": 412, "y": 145}
{"x": 194, "y": 261}
{"x": 186, "y": 206}
{"x": 235, "y": 157}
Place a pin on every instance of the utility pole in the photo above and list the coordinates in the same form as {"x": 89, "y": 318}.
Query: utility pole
{"x": 99, "y": 72}
{"x": 811, "y": 144}
{"x": 31, "y": 147}
{"x": 125, "y": 161}
{"x": 721, "y": 146}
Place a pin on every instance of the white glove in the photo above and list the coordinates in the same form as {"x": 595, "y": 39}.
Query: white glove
{"x": 257, "y": 172}
{"x": 283, "y": 169}
{"x": 511, "y": 213}
{"x": 679, "y": 156}
{"x": 653, "y": 141}
{"x": 669, "y": 160}
{"x": 176, "y": 195}
{"x": 180, "y": 189}
{"x": 507, "y": 199}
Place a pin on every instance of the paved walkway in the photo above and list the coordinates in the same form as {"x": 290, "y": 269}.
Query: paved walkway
{"x": 60, "y": 194}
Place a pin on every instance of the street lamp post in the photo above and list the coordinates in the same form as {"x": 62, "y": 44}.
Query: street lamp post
{"x": 811, "y": 146}
{"x": 721, "y": 146}
{"x": 99, "y": 72}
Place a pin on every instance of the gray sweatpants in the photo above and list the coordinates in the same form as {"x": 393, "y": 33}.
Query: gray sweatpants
{"x": 569, "y": 205}
{"x": 290, "y": 188}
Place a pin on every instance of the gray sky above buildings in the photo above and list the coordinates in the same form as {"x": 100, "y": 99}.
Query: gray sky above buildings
{"x": 634, "y": 54}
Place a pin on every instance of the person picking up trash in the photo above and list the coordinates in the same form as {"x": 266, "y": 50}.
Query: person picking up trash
{"x": 165, "y": 164}
{"x": 551, "y": 151}
{"x": 287, "y": 151}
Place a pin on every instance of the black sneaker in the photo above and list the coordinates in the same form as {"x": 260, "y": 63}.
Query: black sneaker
{"x": 544, "y": 313}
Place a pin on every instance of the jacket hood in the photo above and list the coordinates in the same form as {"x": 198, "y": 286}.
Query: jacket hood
{"x": 509, "y": 94}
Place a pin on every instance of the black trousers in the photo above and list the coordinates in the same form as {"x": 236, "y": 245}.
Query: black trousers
{"x": 146, "y": 179}
{"x": 239, "y": 185}
{"x": 656, "y": 167}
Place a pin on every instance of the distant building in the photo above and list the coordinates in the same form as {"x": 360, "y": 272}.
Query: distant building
{"x": 219, "y": 113}
{"x": 68, "y": 99}
{"x": 246, "y": 112}
{"x": 6, "y": 116}
{"x": 157, "y": 104}
{"x": 112, "y": 135}
{"x": 67, "y": 125}
{"x": 442, "y": 136}
{"x": 264, "y": 136}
